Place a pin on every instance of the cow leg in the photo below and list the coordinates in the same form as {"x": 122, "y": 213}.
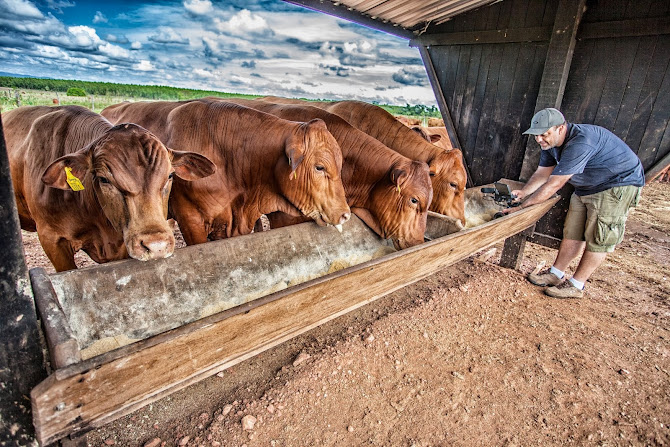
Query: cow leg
{"x": 58, "y": 250}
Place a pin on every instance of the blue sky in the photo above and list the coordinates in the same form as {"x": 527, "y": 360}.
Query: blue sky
{"x": 240, "y": 46}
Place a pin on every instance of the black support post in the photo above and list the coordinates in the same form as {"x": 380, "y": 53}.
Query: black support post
{"x": 21, "y": 360}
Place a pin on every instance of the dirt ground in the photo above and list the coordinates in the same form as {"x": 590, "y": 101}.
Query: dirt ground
{"x": 472, "y": 356}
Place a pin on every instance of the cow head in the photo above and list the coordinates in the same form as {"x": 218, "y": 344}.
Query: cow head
{"x": 448, "y": 177}
{"x": 399, "y": 204}
{"x": 128, "y": 171}
{"x": 309, "y": 176}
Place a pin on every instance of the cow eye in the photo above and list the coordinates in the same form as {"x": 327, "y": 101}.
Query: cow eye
{"x": 414, "y": 200}
{"x": 104, "y": 180}
{"x": 432, "y": 174}
{"x": 453, "y": 185}
{"x": 319, "y": 168}
{"x": 171, "y": 176}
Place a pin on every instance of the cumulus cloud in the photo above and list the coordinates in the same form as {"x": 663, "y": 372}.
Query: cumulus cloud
{"x": 244, "y": 22}
{"x": 198, "y": 7}
{"x": 165, "y": 34}
{"x": 144, "y": 65}
{"x": 99, "y": 18}
{"x": 136, "y": 45}
{"x": 116, "y": 39}
{"x": 114, "y": 51}
{"x": 411, "y": 76}
{"x": 19, "y": 9}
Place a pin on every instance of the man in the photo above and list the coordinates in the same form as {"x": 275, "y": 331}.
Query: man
{"x": 608, "y": 179}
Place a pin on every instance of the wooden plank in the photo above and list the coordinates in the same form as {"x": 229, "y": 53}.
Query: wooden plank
{"x": 477, "y": 106}
{"x": 505, "y": 35}
{"x": 658, "y": 69}
{"x": 600, "y": 65}
{"x": 625, "y": 28}
{"x": 617, "y": 80}
{"x": 576, "y": 85}
{"x": 556, "y": 69}
{"x": 84, "y": 396}
{"x": 659, "y": 167}
{"x": 634, "y": 85}
{"x": 459, "y": 87}
{"x": 517, "y": 110}
{"x": 468, "y": 109}
{"x": 63, "y": 346}
{"x": 481, "y": 165}
{"x": 651, "y": 149}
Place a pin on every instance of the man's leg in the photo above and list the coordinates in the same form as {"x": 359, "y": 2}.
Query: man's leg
{"x": 568, "y": 251}
{"x": 590, "y": 261}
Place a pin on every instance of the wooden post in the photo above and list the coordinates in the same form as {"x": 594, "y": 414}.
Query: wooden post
{"x": 512, "y": 254}
{"x": 21, "y": 361}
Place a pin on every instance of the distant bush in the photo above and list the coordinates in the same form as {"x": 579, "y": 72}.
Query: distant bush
{"x": 76, "y": 91}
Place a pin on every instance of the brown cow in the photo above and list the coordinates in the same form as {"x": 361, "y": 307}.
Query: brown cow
{"x": 446, "y": 167}
{"x": 388, "y": 191}
{"x": 265, "y": 164}
{"x": 126, "y": 175}
{"x": 435, "y": 135}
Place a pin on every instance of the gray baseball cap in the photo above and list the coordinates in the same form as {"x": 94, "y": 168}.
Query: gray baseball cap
{"x": 544, "y": 120}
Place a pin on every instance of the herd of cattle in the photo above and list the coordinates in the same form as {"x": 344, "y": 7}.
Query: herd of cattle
{"x": 105, "y": 184}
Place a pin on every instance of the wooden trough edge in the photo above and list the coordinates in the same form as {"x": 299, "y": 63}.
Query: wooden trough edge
{"x": 87, "y": 395}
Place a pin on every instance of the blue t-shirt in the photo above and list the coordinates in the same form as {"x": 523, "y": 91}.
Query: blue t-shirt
{"x": 596, "y": 158}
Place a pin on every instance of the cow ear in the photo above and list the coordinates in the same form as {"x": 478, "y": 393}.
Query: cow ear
{"x": 435, "y": 138}
{"x": 190, "y": 166}
{"x": 398, "y": 176}
{"x": 56, "y": 176}
{"x": 431, "y": 167}
{"x": 295, "y": 156}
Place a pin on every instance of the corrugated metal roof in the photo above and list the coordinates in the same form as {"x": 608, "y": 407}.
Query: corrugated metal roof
{"x": 413, "y": 15}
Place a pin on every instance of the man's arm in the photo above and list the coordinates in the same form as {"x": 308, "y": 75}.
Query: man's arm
{"x": 539, "y": 178}
{"x": 548, "y": 189}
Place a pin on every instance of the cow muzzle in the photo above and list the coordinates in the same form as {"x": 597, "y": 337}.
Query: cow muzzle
{"x": 153, "y": 245}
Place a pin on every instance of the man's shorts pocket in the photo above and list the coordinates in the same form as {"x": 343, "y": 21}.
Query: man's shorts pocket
{"x": 609, "y": 230}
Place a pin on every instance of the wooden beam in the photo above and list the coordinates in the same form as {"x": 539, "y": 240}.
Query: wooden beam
{"x": 625, "y": 28}
{"x": 556, "y": 70}
{"x": 444, "y": 108}
{"x": 513, "y": 248}
{"x": 84, "y": 396}
{"x": 537, "y": 34}
{"x": 657, "y": 169}
{"x": 21, "y": 361}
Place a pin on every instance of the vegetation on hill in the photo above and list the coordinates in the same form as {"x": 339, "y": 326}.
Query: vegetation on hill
{"x": 98, "y": 95}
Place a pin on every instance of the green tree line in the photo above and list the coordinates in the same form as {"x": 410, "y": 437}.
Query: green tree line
{"x": 109, "y": 89}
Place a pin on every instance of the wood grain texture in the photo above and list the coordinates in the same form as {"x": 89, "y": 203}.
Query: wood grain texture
{"x": 84, "y": 396}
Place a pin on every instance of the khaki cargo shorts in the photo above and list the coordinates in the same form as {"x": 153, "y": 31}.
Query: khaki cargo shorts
{"x": 600, "y": 219}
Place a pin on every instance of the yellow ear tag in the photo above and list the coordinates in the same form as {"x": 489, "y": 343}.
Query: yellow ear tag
{"x": 293, "y": 175}
{"x": 398, "y": 189}
{"x": 73, "y": 181}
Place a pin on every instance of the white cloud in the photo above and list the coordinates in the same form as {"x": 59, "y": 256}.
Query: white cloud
{"x": 144, "y": 65}
{"x": 165, "y": 34}
{"x": 136, "y": 45}
{"x": 198, "y": 7}
{"x": 243, "y": 22}
{"x": 20, "y": 8}
{"x": 115, "y": 51}
{"x": 84, "y": 36}
{"x": 99, "y": 18}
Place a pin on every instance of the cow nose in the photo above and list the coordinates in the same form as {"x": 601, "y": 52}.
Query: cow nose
{"x": 153, "y": 246}
{"x": 344, "y": 218}
{"x": 156, "y": 249}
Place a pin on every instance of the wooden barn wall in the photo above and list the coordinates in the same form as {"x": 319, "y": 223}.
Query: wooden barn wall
{"x": 490, "y": 89}
{"x": 623, "y": 83}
